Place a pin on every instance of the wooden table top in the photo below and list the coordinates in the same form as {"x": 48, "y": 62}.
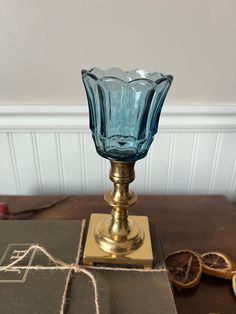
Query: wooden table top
{"x": 198, "y": 223}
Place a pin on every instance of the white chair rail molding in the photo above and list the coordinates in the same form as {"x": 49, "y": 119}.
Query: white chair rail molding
{"x": 49, "y": 150}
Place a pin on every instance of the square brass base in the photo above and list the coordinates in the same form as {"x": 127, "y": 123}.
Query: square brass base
{"x": 93, "y": 255}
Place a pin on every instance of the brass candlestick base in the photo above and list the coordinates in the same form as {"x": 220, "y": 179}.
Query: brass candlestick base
{"x": 94, "y": 255}
{"x": 117, "y": 239}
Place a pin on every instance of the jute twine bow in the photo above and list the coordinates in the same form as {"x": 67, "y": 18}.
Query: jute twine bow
{"x": 72, "y": 267}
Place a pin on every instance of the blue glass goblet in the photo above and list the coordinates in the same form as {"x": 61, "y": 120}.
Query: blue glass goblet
{"x": 124, "y": 111}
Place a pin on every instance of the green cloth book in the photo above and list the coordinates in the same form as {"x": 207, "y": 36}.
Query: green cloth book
{"x": 41, "y": 291}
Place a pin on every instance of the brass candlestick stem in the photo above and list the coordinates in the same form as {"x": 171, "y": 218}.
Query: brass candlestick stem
{"x": 118, "y": 234}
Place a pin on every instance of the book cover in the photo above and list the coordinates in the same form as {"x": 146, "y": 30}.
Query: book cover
{"x": 41, "y": 291}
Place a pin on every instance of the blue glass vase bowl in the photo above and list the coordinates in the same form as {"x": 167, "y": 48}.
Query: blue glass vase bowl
{"x": 124, "y": 110}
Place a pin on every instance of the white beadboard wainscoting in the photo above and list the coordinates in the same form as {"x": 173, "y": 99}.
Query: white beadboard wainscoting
{"x": 49, "y": 150}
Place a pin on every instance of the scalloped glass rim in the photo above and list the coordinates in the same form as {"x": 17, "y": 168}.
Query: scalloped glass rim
{"x": 144, "y": 76}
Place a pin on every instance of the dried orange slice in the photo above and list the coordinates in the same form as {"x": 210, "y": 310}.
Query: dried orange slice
{"x": 185, "y": 268}
{"x": 234, "y": 282}
{"x": 217, "y": 264}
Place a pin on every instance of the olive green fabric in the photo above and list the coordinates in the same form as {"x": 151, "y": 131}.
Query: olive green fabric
{"x": 40, "y": 291}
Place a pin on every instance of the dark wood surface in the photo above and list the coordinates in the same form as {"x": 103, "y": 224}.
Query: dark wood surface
{"x": 198, "y": 223}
